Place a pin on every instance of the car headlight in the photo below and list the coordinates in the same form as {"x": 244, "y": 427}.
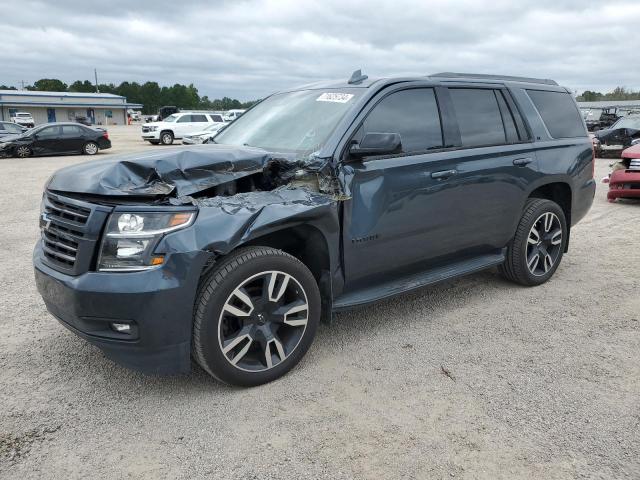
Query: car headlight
{"x": 130, "y": 239}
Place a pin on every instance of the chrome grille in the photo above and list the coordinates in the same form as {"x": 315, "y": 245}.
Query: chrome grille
{"x": 66, "y": 211}
{"x": 70, "y": 232}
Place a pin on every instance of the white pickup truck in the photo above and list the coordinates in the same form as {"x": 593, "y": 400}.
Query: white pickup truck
{"x": 24, "y": 119}
{"x": 176, "y": 126}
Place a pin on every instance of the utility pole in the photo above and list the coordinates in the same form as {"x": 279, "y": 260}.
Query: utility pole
{"x": 22, "y": 82}
{"x": 95, "y": 72}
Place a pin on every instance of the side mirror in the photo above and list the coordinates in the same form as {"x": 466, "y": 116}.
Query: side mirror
{"x": 377, "y": 144}
{"x": 635, "y": 142}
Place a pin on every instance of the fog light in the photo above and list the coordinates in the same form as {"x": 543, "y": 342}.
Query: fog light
{"x": 121, "y": 327}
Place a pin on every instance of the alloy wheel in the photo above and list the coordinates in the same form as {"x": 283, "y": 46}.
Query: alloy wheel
{"x": 91, "y": 149}
{"x": 23, "y": 151}
{"x": 263, "y": 321}
{"x": 544, "y": 244}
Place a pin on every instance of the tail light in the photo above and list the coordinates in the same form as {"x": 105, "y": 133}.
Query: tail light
{"x": 106, "y": 135}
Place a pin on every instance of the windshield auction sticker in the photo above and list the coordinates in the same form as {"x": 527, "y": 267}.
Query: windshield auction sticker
{"x": 334, "y": 97}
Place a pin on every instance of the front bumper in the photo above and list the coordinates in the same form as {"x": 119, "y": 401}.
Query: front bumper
{"x": 158, "y": 304}
{"x": 624, "y": 184}
{"x": 155, "y": 135}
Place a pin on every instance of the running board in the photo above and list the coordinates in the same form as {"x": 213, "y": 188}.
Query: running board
{"x": 412, "y": 282}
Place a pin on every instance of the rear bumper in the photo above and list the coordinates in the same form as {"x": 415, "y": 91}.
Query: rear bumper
{"x": 158, "y": 304}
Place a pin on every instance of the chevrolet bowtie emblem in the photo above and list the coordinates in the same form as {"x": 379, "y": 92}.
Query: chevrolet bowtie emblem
{"x": 45, "y": 222}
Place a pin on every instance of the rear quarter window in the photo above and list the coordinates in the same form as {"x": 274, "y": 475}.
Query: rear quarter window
{"x": 559, "y": 113}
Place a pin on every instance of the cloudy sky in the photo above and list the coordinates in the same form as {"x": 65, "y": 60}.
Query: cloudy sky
{"x": 247, "y": 49}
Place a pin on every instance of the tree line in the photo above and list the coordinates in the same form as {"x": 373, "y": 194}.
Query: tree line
{"x": 150, "y": 94}
{"x": 618, "y": 93}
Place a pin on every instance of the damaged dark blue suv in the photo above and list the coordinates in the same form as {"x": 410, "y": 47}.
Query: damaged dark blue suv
{"x": 318, "y": 199}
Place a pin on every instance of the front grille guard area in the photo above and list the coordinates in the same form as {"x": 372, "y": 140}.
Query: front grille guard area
{"x": 70, "y": 232}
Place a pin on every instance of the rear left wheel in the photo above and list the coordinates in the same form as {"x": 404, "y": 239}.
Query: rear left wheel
{"x": 256, "y": 316}
{"x": 534, "y": 253}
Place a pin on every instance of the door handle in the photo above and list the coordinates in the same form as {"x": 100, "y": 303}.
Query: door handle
{"x": 521, "y": 162}
{"x": 443, "y": 174}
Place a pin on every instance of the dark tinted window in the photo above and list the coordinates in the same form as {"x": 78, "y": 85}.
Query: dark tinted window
{"x": 559, "y": 112}
{"x": 184, "y": 119}
{"x": 49, "y": 132}
{"x": 478, "y": 116}
{"x": 411, "y": 113}
{"x": 199, "y": 118}
{"x": 71, "y": 131}
{"x": 217, "y": 118}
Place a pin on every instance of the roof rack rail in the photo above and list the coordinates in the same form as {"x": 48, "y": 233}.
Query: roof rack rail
{"x": 481, "y": 76}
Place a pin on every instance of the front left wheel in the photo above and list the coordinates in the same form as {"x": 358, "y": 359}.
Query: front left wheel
{"x": 23, "y": 151}
{"x": 255, "y": 317}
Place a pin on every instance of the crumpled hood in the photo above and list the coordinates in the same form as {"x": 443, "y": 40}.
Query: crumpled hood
{"x": 171, "y": 171}
{"x": 11, "y": 138}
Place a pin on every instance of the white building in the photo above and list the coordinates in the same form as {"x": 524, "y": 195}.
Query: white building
{"x": 100, "y": 108}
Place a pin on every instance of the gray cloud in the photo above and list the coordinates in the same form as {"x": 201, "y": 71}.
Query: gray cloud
{"x": 248, "y": 49}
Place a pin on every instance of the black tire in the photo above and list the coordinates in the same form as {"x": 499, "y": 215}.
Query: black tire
{"x": 154, "y": 142}
{"x": 211, "y": 319}
{"x": 523, "y": 249}
{"x": 22, "y": 151}
{"x": 166, "y": 137}
{"x": 90, "y": 148}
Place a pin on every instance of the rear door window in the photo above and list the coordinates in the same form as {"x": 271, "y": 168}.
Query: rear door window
{"x": 199, "y": 118}
{"x": 559, "y": 113}
{"x": 411, "y": 113}
{"x": 479, "y": 117}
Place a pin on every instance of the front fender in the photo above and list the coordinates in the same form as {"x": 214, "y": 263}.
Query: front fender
{"x": 226, "y": 223}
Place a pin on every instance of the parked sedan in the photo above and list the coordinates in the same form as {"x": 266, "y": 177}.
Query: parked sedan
{"x": 625, "y": 179}
{"x": 204, "y": 135}
{"x": 10, "y": 128}
{"x": 619, "y": 135}
{"x": 54, "y": 139}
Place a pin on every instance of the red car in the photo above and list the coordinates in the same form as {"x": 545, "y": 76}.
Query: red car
{"x": 625, "y": 182}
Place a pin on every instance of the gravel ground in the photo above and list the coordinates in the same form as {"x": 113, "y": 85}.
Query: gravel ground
{"x": 475, "y": 378}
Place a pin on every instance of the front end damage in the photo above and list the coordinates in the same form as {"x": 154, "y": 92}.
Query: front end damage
{"x": 242, "y": 196}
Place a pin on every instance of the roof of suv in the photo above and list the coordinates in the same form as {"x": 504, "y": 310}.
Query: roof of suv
{"x": 366, "y": 82}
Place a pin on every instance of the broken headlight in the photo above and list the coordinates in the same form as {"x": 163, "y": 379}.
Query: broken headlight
{"x": 130, "y": 239}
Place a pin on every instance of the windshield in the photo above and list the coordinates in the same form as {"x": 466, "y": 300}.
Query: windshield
{"x": 628, "y": 122}
{"x": 171, "y": 118}
{"x": 592, "y": 114}
{"x": 294, "y": 122}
